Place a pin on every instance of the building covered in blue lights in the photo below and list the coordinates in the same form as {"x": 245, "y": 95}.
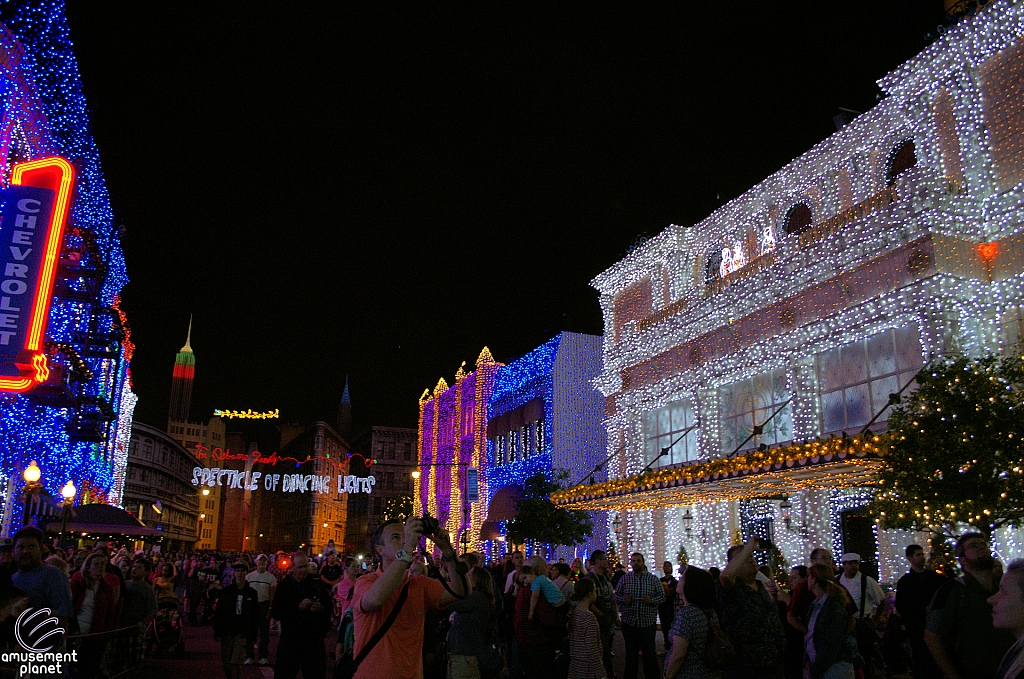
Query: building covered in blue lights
{"x": 546, "y": 415}
{"x": 75, "y": 424}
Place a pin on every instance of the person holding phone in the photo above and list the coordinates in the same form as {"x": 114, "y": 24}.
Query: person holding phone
{"x": 750, "y": 616}
{"x": 302, "y": 603}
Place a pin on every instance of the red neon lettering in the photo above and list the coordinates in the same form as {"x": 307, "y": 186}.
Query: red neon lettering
{"x": 58, "y": 175}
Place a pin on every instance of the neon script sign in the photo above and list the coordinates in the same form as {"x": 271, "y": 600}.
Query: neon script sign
{"x": 289, "y": 483}
{"x": 247, "y": 414}
{"x": 31, "y": 234}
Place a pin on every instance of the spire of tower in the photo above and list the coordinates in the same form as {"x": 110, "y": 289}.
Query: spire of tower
{"x": 345, "y": 413}
{"x": 181, "y": 380}
{"x": 188, "y": 338}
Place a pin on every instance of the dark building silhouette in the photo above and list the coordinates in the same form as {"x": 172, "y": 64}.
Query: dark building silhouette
{"x": 345, "y": 414}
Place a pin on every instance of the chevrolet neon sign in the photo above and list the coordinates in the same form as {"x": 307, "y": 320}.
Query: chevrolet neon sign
{"x": 35, "y": 213}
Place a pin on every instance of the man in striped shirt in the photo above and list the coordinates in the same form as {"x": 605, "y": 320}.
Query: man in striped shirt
{"x": 638, "y": 595}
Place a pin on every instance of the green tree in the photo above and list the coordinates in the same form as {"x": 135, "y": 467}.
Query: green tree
{"x": 397, "y": 507}
{"x": 956, "y": 455}
{"x": 779, "y": 566}
{"x": 538, "y": 519}
{"x": 682, "y": 558}
{"x": 613, "y": 555}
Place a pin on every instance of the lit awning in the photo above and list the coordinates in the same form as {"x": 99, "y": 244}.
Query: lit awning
{"x": 835, "y": 463}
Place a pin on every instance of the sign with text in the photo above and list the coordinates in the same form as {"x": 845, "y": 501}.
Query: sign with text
{"x": 31, "y": 234}
{"x": 285, "y": 483}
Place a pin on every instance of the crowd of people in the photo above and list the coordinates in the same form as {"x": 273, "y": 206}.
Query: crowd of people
{"x": 404, "y": 614}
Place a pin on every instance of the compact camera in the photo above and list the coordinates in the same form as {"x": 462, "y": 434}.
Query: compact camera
{"x": 430, "y": 525}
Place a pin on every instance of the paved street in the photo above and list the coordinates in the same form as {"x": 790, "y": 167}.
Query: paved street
{"x": 202, "y": 658}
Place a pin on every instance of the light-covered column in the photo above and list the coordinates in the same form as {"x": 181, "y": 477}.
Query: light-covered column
{"x": 708, "y": 440}
{"x": 803, "y": 381}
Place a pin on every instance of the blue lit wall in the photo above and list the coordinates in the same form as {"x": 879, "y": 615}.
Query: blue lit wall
{"x": 44, "y": 113}
{"x": 559, "y": 372}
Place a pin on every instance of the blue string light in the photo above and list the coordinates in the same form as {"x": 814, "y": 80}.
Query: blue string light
{"x": 45, "y": 113}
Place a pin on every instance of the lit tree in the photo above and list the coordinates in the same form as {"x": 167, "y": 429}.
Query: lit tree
{"x": 956, "y": 457}
{"x": 682, "y": 558}
{"x": 539, "y": 520}
{"x": 397, "y": 507}
{"x": 613, "y": 555}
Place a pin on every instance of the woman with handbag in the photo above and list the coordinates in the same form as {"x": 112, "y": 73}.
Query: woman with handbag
{"x": 694, "y": 627}
{"x": 473, "y": 618}
{"x": 829, "y": 649}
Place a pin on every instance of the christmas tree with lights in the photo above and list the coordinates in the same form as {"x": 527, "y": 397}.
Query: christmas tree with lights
{"x": 956, "y": 460}
{"x": 682, "y": 558}
{"x": 540, "y": 520}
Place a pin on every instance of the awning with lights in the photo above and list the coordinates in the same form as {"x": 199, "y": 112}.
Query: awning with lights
{"x": 834, "y": 463}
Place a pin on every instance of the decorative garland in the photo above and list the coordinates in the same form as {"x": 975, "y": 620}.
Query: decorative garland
{"x": 755, "y": 461}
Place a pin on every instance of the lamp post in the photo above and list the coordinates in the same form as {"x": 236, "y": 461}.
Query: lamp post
{"x": 30, "y": 494}
{"x": 68, "y": 492}
{"x": 617, "y": 525}
{"x": 786, "y": 508}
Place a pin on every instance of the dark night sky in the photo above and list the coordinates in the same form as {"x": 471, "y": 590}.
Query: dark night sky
{"x": 384, "y": 194}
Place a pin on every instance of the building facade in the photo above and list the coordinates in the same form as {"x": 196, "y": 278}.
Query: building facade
{"x": 452, "y": 440}
{"x": 392, "y": 451}
{"x": 73, "y": 414}
{"x": 158, "y": 486}
{"x": 302, "y": 519}
{"x": 545, "y": 415}
{"x": 741, "y": 345}
{"x": 201, "y": 440}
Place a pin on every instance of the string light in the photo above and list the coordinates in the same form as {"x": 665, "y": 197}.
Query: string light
{"x": 78, "y": 429}
{"x": 567, "y": 433}
{"x": 453, "y": 436}
{"x": 897, "y": 237}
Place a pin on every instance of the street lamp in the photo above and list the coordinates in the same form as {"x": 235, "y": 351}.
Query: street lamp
{"x": 30, "y": 494}
{"x": 786, "y": 506}
{"x": 416, "y": 474}
{"x": 68, "y": 492}
{"x": 687, "y": 521}
{"x": 32, "y": 473}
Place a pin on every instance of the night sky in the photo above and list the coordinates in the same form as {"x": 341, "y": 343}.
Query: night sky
{"x": 381, "y": 195}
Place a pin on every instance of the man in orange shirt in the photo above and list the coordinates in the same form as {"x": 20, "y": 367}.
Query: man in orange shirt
{"x": 399, "y": 654}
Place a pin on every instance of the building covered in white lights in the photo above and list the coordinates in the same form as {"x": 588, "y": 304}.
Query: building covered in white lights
{"x": 787, "y": 317}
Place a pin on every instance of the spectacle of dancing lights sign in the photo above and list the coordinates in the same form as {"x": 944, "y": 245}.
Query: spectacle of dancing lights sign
{"x": 36, "y": 206}
{"x": 289, "y": 483}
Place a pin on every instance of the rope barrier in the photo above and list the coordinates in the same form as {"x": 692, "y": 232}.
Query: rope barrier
{"x": 97, "y": 634}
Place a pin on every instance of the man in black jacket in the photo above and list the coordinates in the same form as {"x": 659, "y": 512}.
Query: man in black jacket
{"x": 303, "y": 606}
{"x": 235, "y": 621}
{"x": 914, "y": 592}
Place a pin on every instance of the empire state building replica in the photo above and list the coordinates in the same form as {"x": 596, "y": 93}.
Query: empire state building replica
{"x": 194, "y": 437}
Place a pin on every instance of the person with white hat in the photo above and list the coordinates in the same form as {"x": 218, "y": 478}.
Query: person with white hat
{"x": 867, "y": 596}
{"x": 865, "y": 591}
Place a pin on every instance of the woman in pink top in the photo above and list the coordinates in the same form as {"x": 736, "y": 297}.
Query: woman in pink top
{"x": 346, "y": 586}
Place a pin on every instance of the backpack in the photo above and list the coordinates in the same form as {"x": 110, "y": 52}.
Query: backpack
{"x": 718, "y": 648}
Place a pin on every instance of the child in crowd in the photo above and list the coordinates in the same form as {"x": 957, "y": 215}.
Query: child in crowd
{"x": 540, "y": 583}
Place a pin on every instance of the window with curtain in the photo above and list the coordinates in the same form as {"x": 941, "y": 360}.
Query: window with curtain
{"x": 855, "y": 380}
{"x": 663, "y": 428}
{"x": 751, "y": 402}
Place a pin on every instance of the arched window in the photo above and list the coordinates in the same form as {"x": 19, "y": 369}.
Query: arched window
{"x": 902, "y": 158}
{"x": 713, "y": 264}
{"x": 798, "y": 218}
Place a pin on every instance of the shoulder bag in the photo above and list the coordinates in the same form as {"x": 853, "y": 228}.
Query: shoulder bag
{"x": 346, "y": 666}
{"x": 718, "y": 649}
